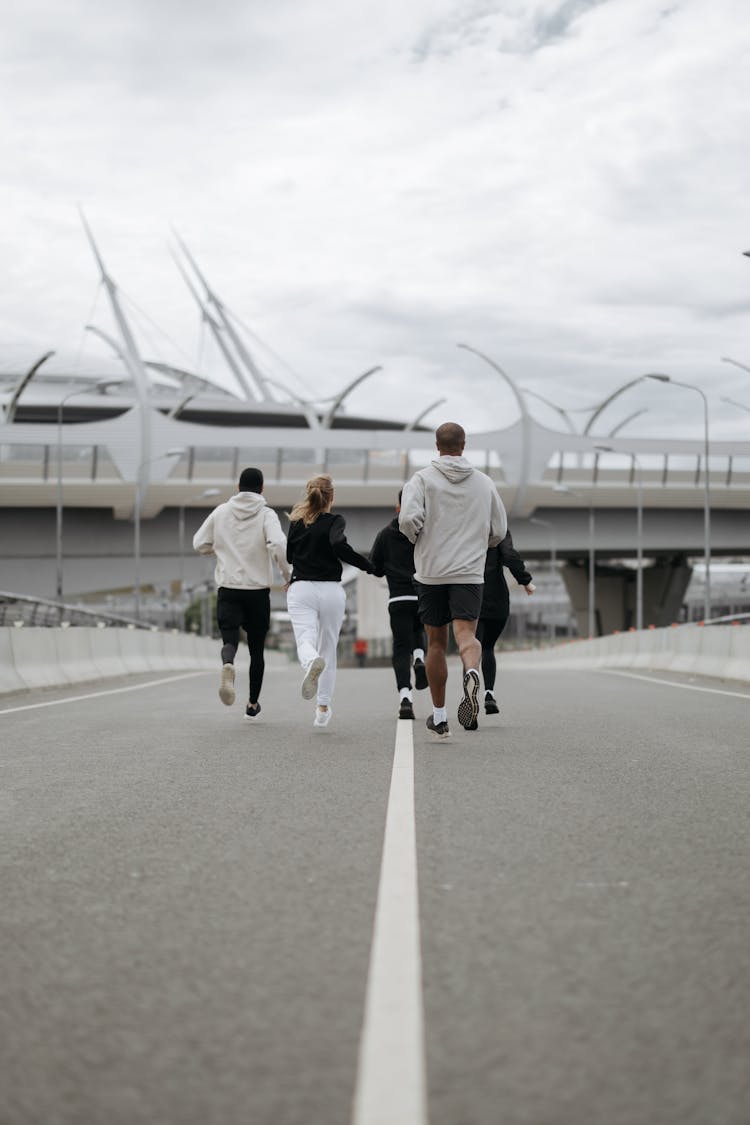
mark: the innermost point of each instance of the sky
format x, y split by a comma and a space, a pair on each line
563, 185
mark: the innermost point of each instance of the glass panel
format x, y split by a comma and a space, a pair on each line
22, 461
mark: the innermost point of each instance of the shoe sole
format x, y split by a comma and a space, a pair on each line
468, 708
310, 682
438, 735
420, 678
226, 688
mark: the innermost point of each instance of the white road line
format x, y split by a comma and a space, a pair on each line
98, 694
391, 1083
672, 683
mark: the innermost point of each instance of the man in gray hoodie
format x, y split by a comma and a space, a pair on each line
452, 513
246, 537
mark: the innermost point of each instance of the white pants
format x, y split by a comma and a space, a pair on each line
316, 610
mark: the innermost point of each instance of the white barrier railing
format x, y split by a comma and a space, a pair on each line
722, 652
44, 657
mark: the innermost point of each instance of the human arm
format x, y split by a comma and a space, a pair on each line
343, 549
276, 543
203, 540
377, 556
498, 518
412, 514
509, 556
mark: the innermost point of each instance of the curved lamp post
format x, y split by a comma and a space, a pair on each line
525, 425
707, 487
10, 410
559, 409
433, 406
101, 386
326, 423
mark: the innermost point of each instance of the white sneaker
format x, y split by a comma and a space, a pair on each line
226, 686
312, 675
322, 718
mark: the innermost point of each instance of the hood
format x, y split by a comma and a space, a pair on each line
245, 505
453, 468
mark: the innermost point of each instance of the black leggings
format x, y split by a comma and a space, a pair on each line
251, 611
488, 631
408, 634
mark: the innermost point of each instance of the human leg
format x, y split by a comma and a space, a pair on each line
331, 607
302, 603
401, 617
488, 630
256, 623
419, 646
228, 618
437, 662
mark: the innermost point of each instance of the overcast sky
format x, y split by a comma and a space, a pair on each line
562, 184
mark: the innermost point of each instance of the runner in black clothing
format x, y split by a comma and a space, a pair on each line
392, 555
493, 616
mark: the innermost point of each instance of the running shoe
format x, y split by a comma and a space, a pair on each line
312, 675
468, 708
420, 675
490, 704
252, 711
406, 710
226, 685
322, 718
440, 730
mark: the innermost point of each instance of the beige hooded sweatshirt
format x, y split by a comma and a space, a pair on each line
452, 513
246, 536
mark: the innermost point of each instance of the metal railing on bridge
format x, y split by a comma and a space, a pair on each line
20, 609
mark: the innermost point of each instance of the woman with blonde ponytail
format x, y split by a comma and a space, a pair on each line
316, 547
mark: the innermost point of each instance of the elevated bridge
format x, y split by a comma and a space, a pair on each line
569, 498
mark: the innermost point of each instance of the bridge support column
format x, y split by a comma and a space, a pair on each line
664, 585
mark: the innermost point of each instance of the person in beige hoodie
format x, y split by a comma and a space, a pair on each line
452, 513
246, 537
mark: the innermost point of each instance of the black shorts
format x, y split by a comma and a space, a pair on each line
246, 609
456, 601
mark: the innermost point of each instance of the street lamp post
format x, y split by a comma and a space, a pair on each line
101, 386
137, 526
592, 557
707, 487
181, 529
552, 566
638, 534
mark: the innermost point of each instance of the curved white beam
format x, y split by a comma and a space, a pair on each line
10, 410
328, 419
520, 497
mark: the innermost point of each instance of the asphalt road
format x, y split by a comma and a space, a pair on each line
187, 902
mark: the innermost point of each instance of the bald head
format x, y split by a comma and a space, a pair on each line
450, 439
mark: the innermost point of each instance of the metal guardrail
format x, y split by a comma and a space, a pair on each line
21, 609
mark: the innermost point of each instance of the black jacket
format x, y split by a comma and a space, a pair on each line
392, 555
316, 550
495, 596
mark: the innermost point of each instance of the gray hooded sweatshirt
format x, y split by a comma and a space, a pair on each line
452, 513
245, 535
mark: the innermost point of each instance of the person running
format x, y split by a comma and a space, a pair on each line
493, 616
392, 556
452, 513
246, 537
316, 548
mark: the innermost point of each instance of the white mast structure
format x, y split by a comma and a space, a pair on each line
252, 379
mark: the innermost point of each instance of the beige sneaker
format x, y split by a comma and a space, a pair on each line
226, 687
312, 675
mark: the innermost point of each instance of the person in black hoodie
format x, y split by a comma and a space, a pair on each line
392, 555
493, 616
316, 547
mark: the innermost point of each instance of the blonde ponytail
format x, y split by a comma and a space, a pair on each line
318, 498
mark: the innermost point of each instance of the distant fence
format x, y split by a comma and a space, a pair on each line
23, 609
